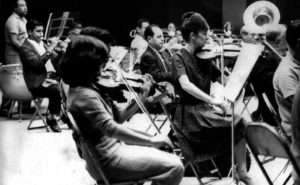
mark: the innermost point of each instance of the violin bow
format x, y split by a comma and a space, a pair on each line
137, 99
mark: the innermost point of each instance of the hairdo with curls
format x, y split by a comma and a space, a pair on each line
192, 23
81, 63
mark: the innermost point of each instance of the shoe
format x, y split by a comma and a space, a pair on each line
53, 125
66, 120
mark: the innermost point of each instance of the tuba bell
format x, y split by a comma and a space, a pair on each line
261, 15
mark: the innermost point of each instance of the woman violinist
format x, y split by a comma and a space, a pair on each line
96, 120
206, 132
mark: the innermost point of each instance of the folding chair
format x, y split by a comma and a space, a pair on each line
263, 139
13, 85
37, 104
276, 118
191, 159
92, 155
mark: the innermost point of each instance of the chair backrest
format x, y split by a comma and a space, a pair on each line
263, 139
275, 116
271, 109
90, 151
12, 82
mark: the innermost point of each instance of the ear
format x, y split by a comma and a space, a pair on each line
192, 35
149, 39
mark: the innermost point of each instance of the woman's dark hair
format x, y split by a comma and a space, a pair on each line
192, 23
81, 63
293, 34
99, 33
32, 23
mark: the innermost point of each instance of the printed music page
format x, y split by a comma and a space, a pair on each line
242, 68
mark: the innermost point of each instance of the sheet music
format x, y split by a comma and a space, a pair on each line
242, 68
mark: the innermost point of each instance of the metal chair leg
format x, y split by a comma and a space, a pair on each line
11, 108
196, 173
37, 104
20, 104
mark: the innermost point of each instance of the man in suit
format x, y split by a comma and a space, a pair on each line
156, 59
35, 56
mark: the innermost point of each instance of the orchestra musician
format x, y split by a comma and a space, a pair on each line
296, 131
261, 76
95, 117
156, 60
139, 44
42, 81
287, 76
206, 132
15, 35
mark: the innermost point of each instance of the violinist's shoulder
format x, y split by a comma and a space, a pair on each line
81, 92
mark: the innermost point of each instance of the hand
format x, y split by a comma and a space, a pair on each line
146, 85
168, 89
220, 102
53, 43
217, 101
159, 141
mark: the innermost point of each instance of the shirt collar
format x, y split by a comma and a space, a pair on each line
39, 43
18, 17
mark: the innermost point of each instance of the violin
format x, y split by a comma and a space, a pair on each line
211, 51
112, 84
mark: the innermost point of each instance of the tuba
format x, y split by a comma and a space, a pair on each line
260, 15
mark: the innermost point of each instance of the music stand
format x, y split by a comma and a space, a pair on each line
59, 23
242, 68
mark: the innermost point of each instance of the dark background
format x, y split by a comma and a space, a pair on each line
119, 17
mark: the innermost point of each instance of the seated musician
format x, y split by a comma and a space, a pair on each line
156, 60
295, 147
96, 119
176, 42
139, 44
35, 57
206, 132
261, 76
287, 76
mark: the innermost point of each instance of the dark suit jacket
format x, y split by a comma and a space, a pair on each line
151, 63
34, 69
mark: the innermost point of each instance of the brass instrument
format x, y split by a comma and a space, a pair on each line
258, 17
261, 15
